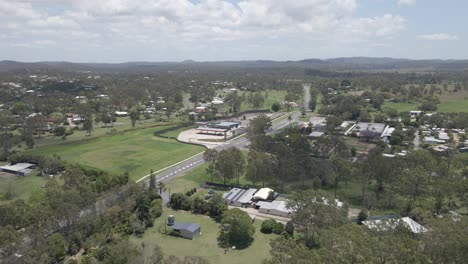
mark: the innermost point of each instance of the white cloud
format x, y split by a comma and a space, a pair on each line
406, 2
438, 37
204, 23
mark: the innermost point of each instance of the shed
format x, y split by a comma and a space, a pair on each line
262, 194
187, 230
239, 197
275, 208
22, 169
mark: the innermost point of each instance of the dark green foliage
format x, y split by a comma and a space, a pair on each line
289, 228
276, 107
238, 230
362, 216
278, 228
268, 226
180, 201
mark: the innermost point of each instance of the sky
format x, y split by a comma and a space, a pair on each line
216, 30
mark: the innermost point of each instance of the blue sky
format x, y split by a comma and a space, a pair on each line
210, 30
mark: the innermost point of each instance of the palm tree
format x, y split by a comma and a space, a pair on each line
161, 187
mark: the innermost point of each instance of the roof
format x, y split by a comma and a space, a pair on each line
228, 123
316, 134
444, 136
17, 167
191, 227
210, 129
375, 127
263, 193
275, 205
384, 224
239, 195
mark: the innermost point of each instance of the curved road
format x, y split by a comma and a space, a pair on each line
195, 161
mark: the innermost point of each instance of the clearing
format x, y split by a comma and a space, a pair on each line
204, 245
136, 151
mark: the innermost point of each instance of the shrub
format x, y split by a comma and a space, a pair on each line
278, 228
268, 226
362, 216
289, 228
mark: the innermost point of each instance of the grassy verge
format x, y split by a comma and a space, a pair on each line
204, 245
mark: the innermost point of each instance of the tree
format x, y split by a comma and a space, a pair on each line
210, 156
134, 116
161, 187
88, 125
345, 244
9, 240
240, 229
276, 107
228, 164
152, 182
268, 226
287, 250
314, 211
289, 228
56, 247
259, 167
259, 125
36, 123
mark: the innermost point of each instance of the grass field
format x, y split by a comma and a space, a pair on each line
401, 107
23, 187
456, 106
136, 151
204, 245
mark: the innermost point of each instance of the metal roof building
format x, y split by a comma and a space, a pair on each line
187, 230
275, 208
239, 197
22, 169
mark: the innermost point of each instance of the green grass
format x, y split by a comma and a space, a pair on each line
455, 106
136, 151
23, 187
401, 107
204, 245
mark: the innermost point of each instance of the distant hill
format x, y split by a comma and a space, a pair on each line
339, 64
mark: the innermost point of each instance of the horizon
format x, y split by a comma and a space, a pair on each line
220, 61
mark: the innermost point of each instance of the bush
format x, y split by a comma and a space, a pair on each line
179, 201
268, 226
362, 216
278, 228
289, 228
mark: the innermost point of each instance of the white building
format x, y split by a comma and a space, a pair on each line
262, 194
385, 224
275, 208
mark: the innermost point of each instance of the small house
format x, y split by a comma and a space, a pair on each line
186, 230
239, 197
21, 169
277, 208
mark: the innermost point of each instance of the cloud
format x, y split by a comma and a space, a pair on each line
438, 37
406, 2
153, 24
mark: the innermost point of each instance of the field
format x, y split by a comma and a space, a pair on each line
136, 151
401, 107
22, 187
456, 106
204, 245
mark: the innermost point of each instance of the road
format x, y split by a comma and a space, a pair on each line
195, 161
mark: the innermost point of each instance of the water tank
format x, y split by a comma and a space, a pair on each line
170, 220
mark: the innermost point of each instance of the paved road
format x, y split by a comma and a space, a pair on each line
189, 164
416, 141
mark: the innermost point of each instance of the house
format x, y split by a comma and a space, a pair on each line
239, 197
414, 114
200, 109
316, 134
444, 136
81, 99
186, 230
263, 194
385, 224
278, 208
21, 169
364, 129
